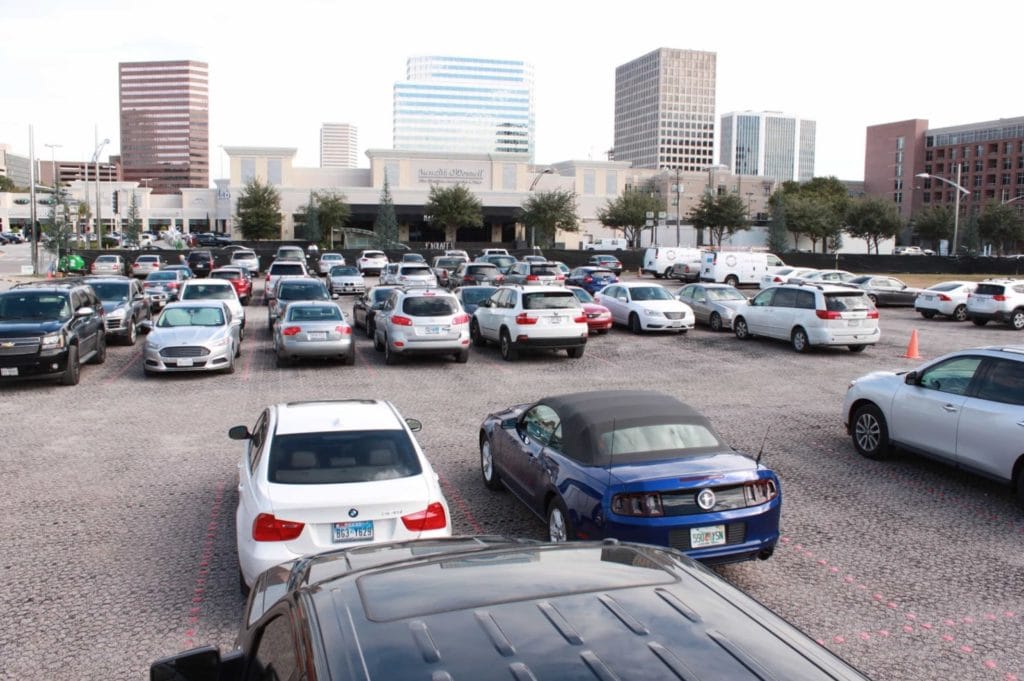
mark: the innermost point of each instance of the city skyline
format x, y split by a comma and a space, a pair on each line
62, 68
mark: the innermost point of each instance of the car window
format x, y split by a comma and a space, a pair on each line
650, 293
1003, 382
286, 268
989, 289
344, 271
274, 658
549, 300
656, 437
784, 297
729, 294
114, 291
208, 292
313, 313
764, 298
416, 270
259, 437
473, 296
539, 422
804, 300
424, 306
191, 316
952, 376
547, 270
846, 301
340, 457
301, 291
688, 292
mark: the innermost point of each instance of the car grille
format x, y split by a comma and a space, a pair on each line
735, 533
685, 503
11, 347
113, 324
185, 351
675, 315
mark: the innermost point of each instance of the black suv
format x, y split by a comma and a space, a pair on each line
211, 239
200, 262
46, 330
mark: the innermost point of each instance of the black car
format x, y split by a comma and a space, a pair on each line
503, 262
470, 296
47, 330
494, 608
200, 262
125, 306
365, 307
209, 239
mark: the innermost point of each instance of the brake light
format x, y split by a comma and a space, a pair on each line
873, 314
291, 331
268, 528
582, 319
559, 277
647, 504
760, 492
828, 314
1000, 297
587, 279
400, 320
467, 277
344, 330
532, 277
460, 319
777, 280
431, 518
523, 318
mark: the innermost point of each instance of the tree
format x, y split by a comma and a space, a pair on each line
873, 219
58, 229
259, 211
385, 225
628, 213
999, 224
777, 226
970, 240
307, 225
7, 184
133, 224
722, 215
833, 198
808, 216
547, 212
935, 224
453, 207
333, 213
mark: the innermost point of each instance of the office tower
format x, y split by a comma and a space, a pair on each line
665, 110
338, 145
165, 124
464, 104
768, 143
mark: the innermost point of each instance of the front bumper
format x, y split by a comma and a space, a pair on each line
41, 365
216, 359
650, 323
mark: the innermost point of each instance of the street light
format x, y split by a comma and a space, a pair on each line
1016, 198
956, 208
99, 214
546, 171
53, 162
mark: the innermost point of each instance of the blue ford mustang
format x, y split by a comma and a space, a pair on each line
634, 465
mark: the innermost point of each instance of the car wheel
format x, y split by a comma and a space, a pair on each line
634, 323
489, 474
349, 359
390, 358
73, 370
979, 322
1020, 487
242, 586
238, 348
576, 352
799, 340
960, 313
732, 280
715, 322
870, 433
559, 528
857, 348
474, 333
101, 350
132, 335
377, 344
873, 298
739, 327
1017, 319
657, 275
230, 368
668, 273
927, 314
508, 353
462, 356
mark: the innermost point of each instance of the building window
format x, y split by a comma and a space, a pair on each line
274, 171
927, 197
898, 197
899, 142
979, 165
967, 152
928, 155
611, 183
248, 170
952, 152
979, 150
588, 182
977, 180
1005, 179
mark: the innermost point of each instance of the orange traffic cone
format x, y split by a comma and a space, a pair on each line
912, 352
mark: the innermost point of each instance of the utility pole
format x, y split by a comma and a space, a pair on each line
679, 206
32, 198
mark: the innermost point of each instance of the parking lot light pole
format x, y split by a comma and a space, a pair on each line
99, 215
956, 203
546, 171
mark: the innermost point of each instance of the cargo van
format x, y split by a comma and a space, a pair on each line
607, 245
659, 261
734, 267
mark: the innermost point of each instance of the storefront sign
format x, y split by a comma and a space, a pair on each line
470, 174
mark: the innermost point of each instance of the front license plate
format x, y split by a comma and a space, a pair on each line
357, 531
707, 536
9, 371
186, 362
317, 335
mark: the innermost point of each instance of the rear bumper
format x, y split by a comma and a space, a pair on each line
830, 337
329, 348
555, 343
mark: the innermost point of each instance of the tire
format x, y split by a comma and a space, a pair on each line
100, 355
243, 588
1020, 488
390, 358
349, 359
230, 368
377, 344
559, 527
634, 323
462, 356
667, 274
505, 347
657, 275
739, 327
960, 313
928, 314
488, 474
870, 433
715, 322
577, 352
73, 370
474, 333
1017, 319
732, 280
873, 298
799, 340
238, 349
979, 322
133, 333
857, 348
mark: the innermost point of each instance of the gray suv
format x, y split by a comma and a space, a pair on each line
421, 321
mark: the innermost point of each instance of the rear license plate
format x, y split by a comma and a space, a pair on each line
929, 298
433, 330
186, 362
556, 320
707, 536
9, 371
317, 335
853, 322
357, 531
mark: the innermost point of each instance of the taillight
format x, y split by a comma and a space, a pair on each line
431, 518
777, 280
268, 528
828, 314
523, 318
943, 297
582, 319
460, 319
532, 277
467, 277
587, 279
1000, 297
344, 330
290, 331
559, 277
647, 504
873, 313
400, 320
760, 492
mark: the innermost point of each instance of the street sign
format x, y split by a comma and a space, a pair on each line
649, 215
662, 215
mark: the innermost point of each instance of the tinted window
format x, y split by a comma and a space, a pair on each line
225, 275
804, 300
472, 296
540, 423
381, 294
422, 306
161, 276
487, 270
110, 290
341, 457
1004, 382
416, 271
549, 300
290, 290
546, 270
843, 302
990, 289
286, 268
34, 306
274, 659
784, 297
952, 376
948, 286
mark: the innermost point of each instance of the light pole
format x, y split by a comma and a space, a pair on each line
1016, 198
99, 214
679, 206
53, 163
956, 203
546, 171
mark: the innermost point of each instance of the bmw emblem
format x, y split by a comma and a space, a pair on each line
353, 512
706, 499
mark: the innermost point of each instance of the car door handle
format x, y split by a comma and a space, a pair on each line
1020, 423
949, 407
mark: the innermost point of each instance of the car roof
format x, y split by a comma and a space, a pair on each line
196, 283
198, 302
335, 415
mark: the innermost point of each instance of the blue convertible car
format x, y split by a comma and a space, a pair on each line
634, 465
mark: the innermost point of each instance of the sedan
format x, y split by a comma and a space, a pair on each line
599, 318
162, 287
948, 299
607, 262
645, 307
107, 264
239, 278
965, 408
591, 278
345, 279
782, 275
838, 277
635, 466
327, 261
194, 336
884, 290
713, 304
313, 329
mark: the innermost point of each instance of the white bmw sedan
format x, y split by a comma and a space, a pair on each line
322, 475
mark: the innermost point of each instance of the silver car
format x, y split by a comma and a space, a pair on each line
328, 261
192, 336
107, 264
411, 274
246, 258
345, 279
713, 304
313, 328
421, 321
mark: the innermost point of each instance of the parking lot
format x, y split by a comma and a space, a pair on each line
119, 495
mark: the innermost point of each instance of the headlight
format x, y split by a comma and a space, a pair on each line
652, 313
53, 341
221, 342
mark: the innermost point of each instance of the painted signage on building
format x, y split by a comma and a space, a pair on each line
470, 174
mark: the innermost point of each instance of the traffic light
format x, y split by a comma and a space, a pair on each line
115, 201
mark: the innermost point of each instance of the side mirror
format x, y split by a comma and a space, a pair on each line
414, 425
85, 312
239, 433
750, 301
198, 664
910, 378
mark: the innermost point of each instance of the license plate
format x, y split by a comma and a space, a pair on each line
853, 322
317, 335
357, 531
556, 320
186, 362
929, 298
9, 371
433, 330
707, 536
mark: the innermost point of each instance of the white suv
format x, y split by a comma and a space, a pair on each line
372, 262
408, 274
531, 317
418, 321
810, 314
1001, 300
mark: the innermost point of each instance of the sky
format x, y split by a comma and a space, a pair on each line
280, 70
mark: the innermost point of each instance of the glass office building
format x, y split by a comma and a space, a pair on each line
465, 105
768, 143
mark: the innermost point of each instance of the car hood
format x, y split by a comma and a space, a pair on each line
733, 305
21, 329
594, 308
111, 306
185, 335
662, 305
880, 378
713, 465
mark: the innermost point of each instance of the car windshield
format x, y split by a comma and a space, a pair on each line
342, 457
650, 293
191, 316
344, 271
473, 296
302, 291
502, 260
667, 437
843, 302
724, 294
582, 295
108, 291
599, 273
107, 258
429, 306
545, 270
314, 313
19, 306
549, 300
208, 292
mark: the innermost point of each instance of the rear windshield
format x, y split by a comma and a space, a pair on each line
582, 295
286, 268
422, 306
291, 290
167, 275
990, 289
374, 254
842, 302
243, 255
107, 258
340, 457
290, 253
225, 275
148, 258
208, 292
658, 437
416, 271
947, 286
449, 262
549, 300
313, 313
200, 255
472, 296
547, 270
344, 271
481, 269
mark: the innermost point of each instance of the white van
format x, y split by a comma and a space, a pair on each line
659, 261
734, 267
607, 245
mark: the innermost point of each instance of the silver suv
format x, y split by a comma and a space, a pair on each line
533, 273
421, 321
1001, 300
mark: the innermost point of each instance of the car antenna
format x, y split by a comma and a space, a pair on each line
765, 439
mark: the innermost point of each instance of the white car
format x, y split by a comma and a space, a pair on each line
644, 306
198, 335
372, 262
215, 289
518, 318
783, 274
408, 274
965, 408
328, 474
327, 261
246, 258
948, 298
